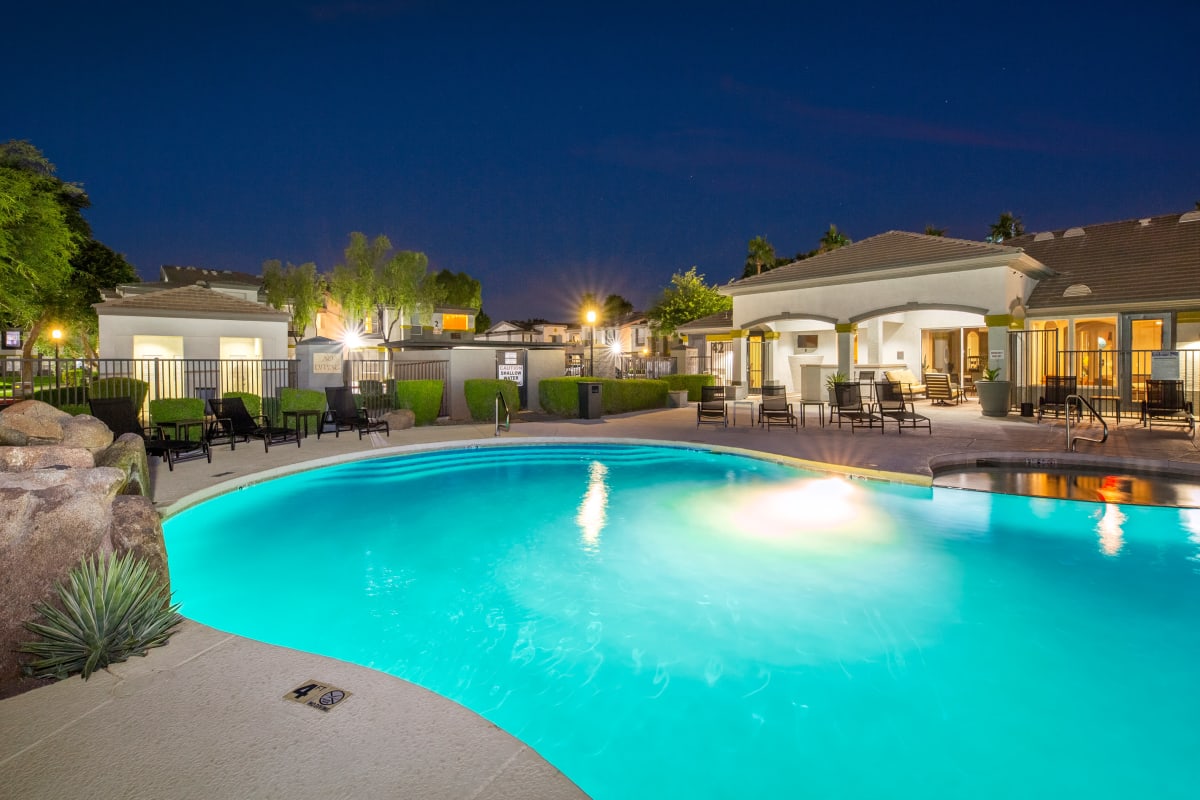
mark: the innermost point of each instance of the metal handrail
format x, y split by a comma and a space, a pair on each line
1082, 401
500, 401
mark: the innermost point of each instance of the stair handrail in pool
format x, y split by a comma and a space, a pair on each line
1083, 401
500, 401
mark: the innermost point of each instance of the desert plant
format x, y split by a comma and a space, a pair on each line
836, 378
112, 608
991, 373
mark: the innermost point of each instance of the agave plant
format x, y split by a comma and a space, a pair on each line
111, 609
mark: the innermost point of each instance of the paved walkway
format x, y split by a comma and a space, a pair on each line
205, 717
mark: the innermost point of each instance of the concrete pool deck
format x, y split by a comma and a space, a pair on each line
205, 716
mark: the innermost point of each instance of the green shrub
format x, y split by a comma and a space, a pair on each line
252, 402
690, 382
561, 395
66, 396
120, 387
303, 400
481, 397
174, 409
75, 410
423, 398
112, 608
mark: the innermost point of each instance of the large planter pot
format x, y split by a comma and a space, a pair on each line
994, 397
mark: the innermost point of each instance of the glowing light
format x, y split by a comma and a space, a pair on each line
616, 348
591, 317
56, 334
1112, 537
593, 510
352, 338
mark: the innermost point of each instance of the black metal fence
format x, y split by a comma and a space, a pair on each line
376, 381
68, 380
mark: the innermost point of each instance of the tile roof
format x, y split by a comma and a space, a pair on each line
721, 321
189, 301
1154, 260
884, 252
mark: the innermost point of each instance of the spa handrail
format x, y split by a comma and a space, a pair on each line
500, 401
1082, 401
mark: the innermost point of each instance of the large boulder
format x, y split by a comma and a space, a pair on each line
24, 459
128, 454
87, 432
136, 527
31, 422
400, 419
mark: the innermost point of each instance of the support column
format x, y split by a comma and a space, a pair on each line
997, 354
845, 333
741, 363
772, 357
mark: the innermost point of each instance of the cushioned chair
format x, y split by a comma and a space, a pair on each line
233, 422
120, 415
892, 404
776, 410
712, 407
912, 387
344, 415
1166, 404
940, 389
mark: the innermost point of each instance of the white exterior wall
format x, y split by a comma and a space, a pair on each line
201, 337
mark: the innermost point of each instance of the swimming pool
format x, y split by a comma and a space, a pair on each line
665, 622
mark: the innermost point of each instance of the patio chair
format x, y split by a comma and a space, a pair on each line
776, 410
911, 386
120, 415
1058, 389
941, 390
233, 422
851, 408
1166, 404
712, 407
891, 403
344, 415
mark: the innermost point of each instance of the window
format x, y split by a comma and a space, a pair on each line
455, 322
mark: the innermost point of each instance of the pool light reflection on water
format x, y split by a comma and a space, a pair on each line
661, 622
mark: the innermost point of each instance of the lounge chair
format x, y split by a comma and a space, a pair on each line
120, 415
1058, 389
776, 410
1166, 404
912, 387
891, 403
344, 415
941, 390
233, 422
850, 408
712, 408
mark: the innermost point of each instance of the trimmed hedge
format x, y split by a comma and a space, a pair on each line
561, 395
120, 387
173, 409
252, 402
481, 397
303, 400
66, 396
423, 398
690, 382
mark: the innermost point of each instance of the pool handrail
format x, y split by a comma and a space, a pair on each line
1082, 402
500, 401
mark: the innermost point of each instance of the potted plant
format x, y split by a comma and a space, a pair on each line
831, 384
994, 393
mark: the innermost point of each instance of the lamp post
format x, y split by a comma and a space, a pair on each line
591, 318
56, 335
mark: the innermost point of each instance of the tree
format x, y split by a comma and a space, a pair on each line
1007, 227
832, 239
932, 231
95, 267
616, 308
588, 302
299, 289
41, 230
687, 298
482, 321
760, 256
458, 289
373, 277
405, 285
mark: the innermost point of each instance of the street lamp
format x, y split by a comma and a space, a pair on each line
56, 335
591, 318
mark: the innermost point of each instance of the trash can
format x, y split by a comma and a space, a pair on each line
1026, 409
591, 404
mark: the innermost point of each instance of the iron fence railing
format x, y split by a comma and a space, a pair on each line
375, 381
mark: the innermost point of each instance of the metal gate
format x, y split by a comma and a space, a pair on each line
758, 364
1032, 355
720, 361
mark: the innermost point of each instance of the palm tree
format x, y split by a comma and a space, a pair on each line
760, 255
1009, 226
832, 239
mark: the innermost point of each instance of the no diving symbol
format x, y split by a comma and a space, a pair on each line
332, 698
314, 694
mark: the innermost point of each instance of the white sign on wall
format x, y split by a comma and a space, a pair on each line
511, 372
327, 363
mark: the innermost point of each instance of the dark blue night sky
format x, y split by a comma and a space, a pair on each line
553, 148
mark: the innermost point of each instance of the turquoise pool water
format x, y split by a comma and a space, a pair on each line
662, 622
